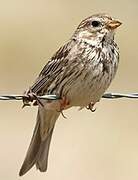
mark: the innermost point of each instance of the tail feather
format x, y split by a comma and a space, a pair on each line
32, 152
39, 147
42, 158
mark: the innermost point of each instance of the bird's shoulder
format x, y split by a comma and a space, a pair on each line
54, 66
60, 57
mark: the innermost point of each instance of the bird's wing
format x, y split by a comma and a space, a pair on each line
52, 69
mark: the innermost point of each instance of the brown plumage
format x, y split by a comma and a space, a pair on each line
79, 72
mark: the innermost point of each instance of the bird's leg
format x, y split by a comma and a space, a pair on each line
58, 105
64, 102
91, 107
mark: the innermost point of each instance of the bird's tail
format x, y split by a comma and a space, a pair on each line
39, 147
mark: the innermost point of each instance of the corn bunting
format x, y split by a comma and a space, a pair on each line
79, 72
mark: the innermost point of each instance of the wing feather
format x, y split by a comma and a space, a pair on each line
52, 69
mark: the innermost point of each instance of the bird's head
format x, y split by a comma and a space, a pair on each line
96, 27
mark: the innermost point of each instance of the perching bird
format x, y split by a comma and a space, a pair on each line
79, 72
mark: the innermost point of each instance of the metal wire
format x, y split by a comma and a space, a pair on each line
120, 95
20, 97
54, 97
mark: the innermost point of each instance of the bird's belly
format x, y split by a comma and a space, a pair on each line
84, 91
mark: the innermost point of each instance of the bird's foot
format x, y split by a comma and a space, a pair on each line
64, 102
91, 107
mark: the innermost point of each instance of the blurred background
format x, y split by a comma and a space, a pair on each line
99, 146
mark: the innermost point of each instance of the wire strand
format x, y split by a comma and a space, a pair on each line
20, 97
120, 95
54, 97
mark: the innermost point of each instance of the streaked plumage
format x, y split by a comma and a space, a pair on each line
79, 71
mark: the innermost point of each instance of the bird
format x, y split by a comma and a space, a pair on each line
79, 73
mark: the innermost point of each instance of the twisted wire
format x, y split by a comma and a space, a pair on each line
120, 95
20, 97
54, 97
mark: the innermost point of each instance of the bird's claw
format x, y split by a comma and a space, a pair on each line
63, 114
63, 104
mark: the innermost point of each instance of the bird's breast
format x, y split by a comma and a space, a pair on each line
87, 76
96, 73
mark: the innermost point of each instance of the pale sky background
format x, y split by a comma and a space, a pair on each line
85, 146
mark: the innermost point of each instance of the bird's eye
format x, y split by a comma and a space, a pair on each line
95, 23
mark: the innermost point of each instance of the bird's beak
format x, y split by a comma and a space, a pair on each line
113, 24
